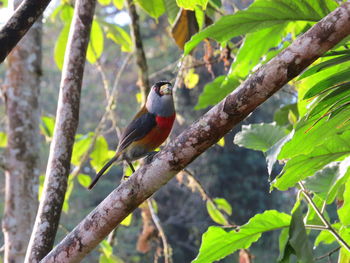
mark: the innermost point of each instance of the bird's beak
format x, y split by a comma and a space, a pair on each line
166, 89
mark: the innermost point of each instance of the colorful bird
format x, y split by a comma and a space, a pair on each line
148, 130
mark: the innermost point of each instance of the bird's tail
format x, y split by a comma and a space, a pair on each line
104, 168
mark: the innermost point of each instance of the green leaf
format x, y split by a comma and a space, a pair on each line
281, 115
328, 82
47, 126
60, 46
100, 155
106, 248
80, 147
272, 153
344, 256
298, 238
118, 4
307, 137
216, 214
284, 247
259, 137
69, 190
324, 65
311, 217
260, 41
191, 79
302, 166
155, 8
127, 220
3, 140
172, 10
104, 2
223, 205
192, 4
326, 237
119, 36
343, 212
216, 91
261, 15
3, 3
200, 16
95, 47
328, 101
66, 13
84, 180
217, 243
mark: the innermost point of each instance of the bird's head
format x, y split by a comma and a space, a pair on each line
160, 99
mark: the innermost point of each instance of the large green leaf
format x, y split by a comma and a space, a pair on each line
192, 4
100, 155
298, 238
155, 8
327, 83
217, 243
302, 166
325, 64
3, 140
60, 46
81, 145
172, 10
260, 137
95, 46
344, 211
215, 91
262, 14
255, 46
119, 36
307, 137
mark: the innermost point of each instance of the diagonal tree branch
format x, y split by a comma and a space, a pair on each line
67, 117
18, 25
201, 135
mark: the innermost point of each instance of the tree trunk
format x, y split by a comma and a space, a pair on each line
21, 92
67, 118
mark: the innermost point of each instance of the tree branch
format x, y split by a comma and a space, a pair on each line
19, 23
141, 61
201, 135
58, 167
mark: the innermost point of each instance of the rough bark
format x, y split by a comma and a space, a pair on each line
201, 135
20, 22
21, 92
141, 61
67, 116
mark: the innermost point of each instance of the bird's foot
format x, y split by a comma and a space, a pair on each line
149, 157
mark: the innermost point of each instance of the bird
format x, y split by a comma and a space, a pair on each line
149, 128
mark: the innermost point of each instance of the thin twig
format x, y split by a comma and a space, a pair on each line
322, 218
328, 254
156, 221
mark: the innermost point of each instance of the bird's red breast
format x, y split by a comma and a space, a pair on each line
159, 133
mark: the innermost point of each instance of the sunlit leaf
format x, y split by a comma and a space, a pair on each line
118, 4
217, 243
191, 4
260, 15
47, 126
127, 220
172, 10
119, 36
100, 154
106, 248
60, 46
191, 79
216, 91
69, 190
96, 42
81, 145
215, 214
302, 166
343, 212
3, 140
259, 137
84, 180
221, 142
155, 8
104, 2
223, 205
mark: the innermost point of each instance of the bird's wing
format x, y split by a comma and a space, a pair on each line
141, 125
